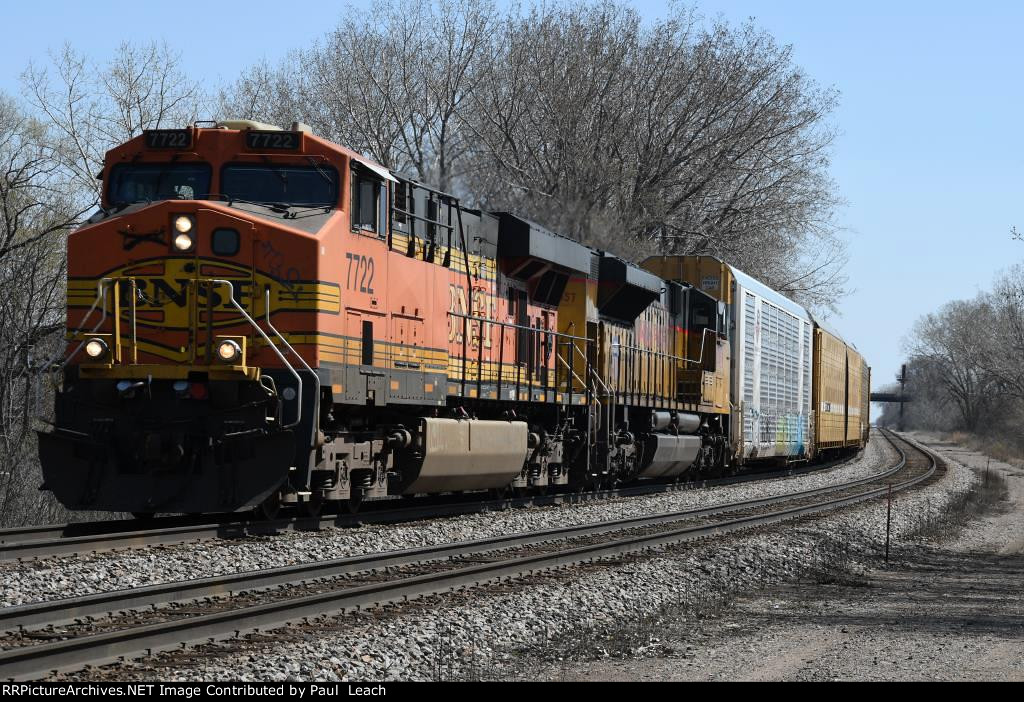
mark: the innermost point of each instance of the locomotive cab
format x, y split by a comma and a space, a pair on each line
179, 393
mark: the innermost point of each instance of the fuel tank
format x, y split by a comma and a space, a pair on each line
667, 455
467, 454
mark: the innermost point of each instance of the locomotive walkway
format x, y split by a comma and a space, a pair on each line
336, 586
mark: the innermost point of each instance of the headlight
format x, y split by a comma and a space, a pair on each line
183, 224
96, 348
184, 232
229, 351
183, 242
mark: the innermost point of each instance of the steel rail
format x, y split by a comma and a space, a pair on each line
94, 537
25, 662
56, 612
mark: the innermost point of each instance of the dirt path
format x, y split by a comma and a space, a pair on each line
950, 610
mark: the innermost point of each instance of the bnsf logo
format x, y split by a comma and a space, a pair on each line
176, 294
159, 293
182, 303
483, 308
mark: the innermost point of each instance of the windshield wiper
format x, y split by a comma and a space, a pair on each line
283, 207
322, 172
281, 175
279, 207
295, 210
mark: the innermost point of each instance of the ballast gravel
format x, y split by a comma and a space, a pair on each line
86, 573
488, 633
946, 607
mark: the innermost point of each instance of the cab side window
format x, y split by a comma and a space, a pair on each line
368, 203
402, 202
703, 325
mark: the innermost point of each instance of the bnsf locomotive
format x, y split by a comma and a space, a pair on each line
260, 317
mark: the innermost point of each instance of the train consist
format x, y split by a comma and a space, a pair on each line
260, 317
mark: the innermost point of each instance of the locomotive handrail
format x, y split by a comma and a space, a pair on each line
597, 377
413, 215
474, 318
583, 355
635, 387
252, 322
316, 378
632, 386
571, 371
653, 352
467, 318
101, 294
593, 370
51, 368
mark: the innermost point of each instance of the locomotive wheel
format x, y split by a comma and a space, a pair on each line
269, 508
714, 471
355, 501
312, 506
498, 494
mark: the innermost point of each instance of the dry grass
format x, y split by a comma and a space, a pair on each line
998, 449
966, 506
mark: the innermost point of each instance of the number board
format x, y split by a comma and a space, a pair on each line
168, 138
283, 141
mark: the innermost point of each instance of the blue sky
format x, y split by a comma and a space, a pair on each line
929, 158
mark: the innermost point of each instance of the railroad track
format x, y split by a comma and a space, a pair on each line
26, 543
149, 622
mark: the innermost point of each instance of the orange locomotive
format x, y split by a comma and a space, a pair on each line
258, 316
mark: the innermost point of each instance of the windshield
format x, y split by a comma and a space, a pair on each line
288, 185
140, 182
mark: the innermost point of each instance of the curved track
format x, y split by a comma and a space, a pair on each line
317, 589
92, 537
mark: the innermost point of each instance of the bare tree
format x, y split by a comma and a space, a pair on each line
966, 362
387, 82
36, 212
92, 108
47, 183
998, 329
272, 94
551, 120
671, 138
947, 342
930, 407
368, 72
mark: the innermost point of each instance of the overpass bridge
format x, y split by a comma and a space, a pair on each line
900, 397
890, 397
